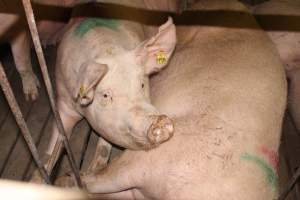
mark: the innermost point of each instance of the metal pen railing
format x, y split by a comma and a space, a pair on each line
17, 112
21, 122
44, 69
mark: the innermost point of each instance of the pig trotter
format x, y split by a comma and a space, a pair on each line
161, 130
30, 85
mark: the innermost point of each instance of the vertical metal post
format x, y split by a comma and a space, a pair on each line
21, 122
42, 62
290, 185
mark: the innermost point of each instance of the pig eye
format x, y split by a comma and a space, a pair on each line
143, 85
106, 97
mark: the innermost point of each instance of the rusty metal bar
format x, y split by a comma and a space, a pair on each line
21, 122
42, 62
290, 185
292, 182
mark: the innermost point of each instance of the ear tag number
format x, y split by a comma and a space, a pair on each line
161, 58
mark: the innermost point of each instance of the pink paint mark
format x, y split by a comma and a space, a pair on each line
272, 157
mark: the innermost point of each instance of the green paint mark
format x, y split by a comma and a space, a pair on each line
270, 173
87, 24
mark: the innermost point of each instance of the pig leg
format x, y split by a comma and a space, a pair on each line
20, 46
121, 175
101, 156
116, 177
69, 119
294, 97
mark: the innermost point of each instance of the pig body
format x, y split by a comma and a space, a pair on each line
102, 74
227, 107
288, 45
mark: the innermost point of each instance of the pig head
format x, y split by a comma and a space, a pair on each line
111, 89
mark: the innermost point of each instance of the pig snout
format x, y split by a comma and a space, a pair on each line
160, 130
148, 128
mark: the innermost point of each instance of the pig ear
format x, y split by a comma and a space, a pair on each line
89, 75
154, 53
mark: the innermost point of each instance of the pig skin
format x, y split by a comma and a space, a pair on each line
102, 74
225, 90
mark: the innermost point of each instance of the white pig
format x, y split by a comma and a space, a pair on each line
225, 90
102, 74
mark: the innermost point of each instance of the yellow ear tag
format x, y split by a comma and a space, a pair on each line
161, 58
81, 91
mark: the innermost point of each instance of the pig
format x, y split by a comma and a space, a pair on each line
288, 45
227, 108
14, 30
102, 74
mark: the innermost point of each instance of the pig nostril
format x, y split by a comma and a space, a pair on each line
169, 127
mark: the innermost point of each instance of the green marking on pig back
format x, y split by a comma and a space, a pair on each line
87, 24
271, 175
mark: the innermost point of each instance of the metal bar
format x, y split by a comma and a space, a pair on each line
42, 62
292, 182
21, 122
290, 185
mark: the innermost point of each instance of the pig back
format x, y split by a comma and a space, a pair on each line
233, 74
225, 89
